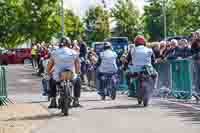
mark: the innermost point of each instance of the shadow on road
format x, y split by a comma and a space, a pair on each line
119, 107
90, 100
189, 114
35, 102
37, 117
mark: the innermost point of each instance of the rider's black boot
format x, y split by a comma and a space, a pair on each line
76, 102
53, 103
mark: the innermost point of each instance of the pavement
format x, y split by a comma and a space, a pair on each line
95, 116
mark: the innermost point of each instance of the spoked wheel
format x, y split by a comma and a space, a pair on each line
139, 101
48, 98
103, 97
65, 102
146, 102
65, 107
113, 93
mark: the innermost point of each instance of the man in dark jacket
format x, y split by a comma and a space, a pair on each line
82, 55
196, 57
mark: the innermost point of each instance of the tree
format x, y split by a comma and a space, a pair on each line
127, 19
185, 18
35, 20
41, 19
153, 18
96, 24
182, 18
10, 33
73, 25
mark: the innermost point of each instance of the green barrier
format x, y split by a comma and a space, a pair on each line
174, 74
3, 86
164, 74
181, 78
134, 87
123, 86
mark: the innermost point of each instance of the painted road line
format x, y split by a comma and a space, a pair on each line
184, 105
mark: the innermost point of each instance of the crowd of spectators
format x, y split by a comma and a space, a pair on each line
41, 52
176, 49
164, 50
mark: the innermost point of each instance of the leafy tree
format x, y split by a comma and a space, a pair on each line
153, 18
127, 19
10, 30
35, 20
41, 19
182, 18
185, 18
73, 25
96, 24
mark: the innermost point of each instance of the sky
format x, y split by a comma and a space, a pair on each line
80, 6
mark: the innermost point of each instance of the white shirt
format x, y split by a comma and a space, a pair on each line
141, 56
64, 58
108, 62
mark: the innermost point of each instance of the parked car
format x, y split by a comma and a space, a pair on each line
179, 38
17, 56
3, 58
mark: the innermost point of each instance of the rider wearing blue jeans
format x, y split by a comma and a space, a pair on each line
107, 65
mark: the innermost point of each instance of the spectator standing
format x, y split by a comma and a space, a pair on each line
173, 51
163, 49
166, 50
34, 55
75, 46
91, 66
82, 56
184, 46
38, 54
196, 57
156, 49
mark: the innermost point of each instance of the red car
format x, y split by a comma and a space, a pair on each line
16, 56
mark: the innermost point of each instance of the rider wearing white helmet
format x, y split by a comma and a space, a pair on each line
107, 65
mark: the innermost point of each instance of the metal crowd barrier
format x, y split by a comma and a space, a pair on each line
164, 74
177, 76
181, 77
123, 84
3, 86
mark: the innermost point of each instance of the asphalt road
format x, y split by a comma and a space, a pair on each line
119, 116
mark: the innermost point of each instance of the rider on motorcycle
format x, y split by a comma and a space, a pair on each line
140, 58
64, 58
107, 65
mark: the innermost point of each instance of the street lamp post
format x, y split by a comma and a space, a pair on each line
62, 18
165, 19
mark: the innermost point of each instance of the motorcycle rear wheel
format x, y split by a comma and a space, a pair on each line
113, 94
66, 101
65, 107
146, 102
139, 101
